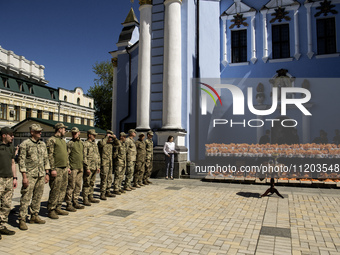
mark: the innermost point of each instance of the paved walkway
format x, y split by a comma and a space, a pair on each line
189, 217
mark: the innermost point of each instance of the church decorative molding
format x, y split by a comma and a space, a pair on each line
238, 13
142, 2
325, 8
280, 10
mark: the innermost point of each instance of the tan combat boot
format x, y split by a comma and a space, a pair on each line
86, 201
36, 219
92, 200
102, 196
70, 208
78, 206
60, 212
53, 215
22, 225
109, 194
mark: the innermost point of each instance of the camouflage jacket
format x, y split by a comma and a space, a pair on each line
57, 152
33, 158
91, 156
105, 150
121, 152
149, 149
131, 150
141, 151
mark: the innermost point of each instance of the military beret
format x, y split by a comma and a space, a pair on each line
75, 130
6, 131
35, 127
59, 125
91, 132
132, 131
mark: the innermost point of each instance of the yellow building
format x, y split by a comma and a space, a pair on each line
24, 94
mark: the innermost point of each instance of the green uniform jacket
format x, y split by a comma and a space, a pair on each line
91, 156
75, 152
33, 158
57, 152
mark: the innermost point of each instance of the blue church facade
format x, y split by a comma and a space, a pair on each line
250, 44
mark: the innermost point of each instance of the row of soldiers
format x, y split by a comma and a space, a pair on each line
70, 167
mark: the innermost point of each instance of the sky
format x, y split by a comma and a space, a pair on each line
66, 36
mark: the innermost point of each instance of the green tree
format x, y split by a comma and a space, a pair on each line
101, 92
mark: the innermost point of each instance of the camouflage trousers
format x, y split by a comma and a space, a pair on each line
106, 178
6, 193
32, 194
139, 172
75, 180
130, 169
119, 176
148, 170
58, 187
88, 186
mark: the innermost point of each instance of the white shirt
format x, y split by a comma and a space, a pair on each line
169, 147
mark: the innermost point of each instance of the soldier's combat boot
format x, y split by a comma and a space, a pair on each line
70, 208
122, 191
102, 196
53, 215
141, 184
145, 183
86, 201
36, 219
60, 212
136, 185
109, 194
22, 225
148, 181
92, 200
127, 189
132, 188
78, 206
117, 192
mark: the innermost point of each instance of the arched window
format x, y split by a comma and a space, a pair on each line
78, 101
90, 105
65, 98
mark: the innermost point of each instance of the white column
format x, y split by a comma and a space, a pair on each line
144, 67
253, 40
265, 36
114, 96
296, 35
310, 52
224, 60
172, 73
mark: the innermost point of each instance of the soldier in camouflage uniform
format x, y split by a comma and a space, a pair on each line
148, 159
131, 152
8, 178
34, 167
120, 163
105, 149
75, 152
91, 167
57, 154
140, 161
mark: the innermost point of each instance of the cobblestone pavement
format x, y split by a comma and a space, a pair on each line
189, 217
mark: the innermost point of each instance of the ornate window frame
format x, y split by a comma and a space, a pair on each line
308, 5
238, 8
269, 8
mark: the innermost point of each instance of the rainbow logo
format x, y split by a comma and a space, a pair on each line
209, 93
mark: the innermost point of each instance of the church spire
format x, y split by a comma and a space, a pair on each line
131, 18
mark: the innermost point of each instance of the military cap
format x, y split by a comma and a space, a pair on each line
109, 132
150, 132
6, 131
91, 132
132, 131
122, 134
141, 134
59, 125
35, 127
75, 130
